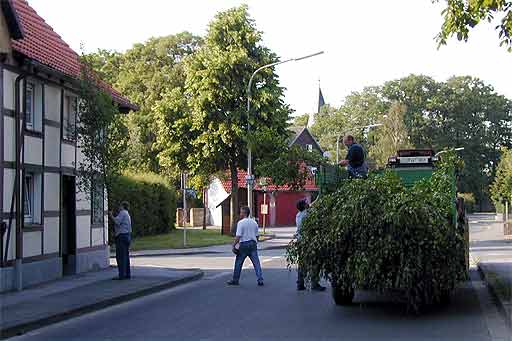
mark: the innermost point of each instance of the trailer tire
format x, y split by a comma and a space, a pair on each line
342, 296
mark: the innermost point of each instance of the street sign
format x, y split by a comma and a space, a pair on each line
264, 209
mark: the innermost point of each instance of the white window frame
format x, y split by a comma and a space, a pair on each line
68, 120
28, 200
309, 147
32, 191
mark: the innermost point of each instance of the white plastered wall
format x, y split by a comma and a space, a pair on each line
31, 244
83, 231
33, 150
52, 98
68, 155
51, 151
51, 235
216, 194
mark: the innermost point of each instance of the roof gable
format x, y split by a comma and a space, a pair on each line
11, 18
306, 131
42, 44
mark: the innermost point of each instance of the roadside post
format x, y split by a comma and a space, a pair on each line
185, 213
264, 206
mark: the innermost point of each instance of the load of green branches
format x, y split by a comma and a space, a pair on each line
377, 234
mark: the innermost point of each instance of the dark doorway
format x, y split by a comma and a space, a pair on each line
68, 225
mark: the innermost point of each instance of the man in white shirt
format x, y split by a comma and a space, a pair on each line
123, 230
247, 238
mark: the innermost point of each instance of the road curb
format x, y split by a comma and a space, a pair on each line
499, 302
75, 312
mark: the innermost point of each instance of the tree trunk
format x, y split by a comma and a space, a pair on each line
234, 198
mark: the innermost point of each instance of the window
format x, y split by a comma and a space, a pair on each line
32, 189
97, 201
69, 117
309, 147
30, 105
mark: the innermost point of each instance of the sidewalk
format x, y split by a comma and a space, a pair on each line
276, 241
79, 294
491, 251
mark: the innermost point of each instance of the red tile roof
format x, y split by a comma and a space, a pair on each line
42, 44
309, 185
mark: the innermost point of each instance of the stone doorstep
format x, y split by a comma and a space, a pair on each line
37, 318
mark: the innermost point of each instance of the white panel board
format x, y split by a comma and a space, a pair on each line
8, 188
51, 191
31, 244
9, 82
12, 244
33, 150
97, 236
51, 146
83, 231
51, 235
68, 155
8, 137
52, 98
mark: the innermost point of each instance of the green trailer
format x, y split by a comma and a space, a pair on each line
411, 166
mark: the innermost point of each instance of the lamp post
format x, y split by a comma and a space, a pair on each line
447, 150
250, 178
347, 130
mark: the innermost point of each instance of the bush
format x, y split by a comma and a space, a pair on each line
377, 234
469, 201
152, 202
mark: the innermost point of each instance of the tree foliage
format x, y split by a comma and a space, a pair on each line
461, 112
301, 120
391, 136
385, 237
101, 135
145, 74
501, 189
460, 16
204, 123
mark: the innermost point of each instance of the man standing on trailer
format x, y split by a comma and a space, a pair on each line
355, 161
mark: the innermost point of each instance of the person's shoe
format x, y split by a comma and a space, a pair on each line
232, 282
318, 288
301, 288
260, 283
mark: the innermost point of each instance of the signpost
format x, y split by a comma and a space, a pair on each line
185, 214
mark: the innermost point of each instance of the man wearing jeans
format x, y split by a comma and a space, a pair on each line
123, 230
247, 237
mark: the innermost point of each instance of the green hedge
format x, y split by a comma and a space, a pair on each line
152, 202
377, 234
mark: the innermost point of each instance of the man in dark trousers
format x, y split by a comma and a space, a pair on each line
123, 230
302, 207
355, 159
247, 239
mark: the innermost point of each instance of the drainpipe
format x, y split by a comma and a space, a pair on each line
19, 139
2, 224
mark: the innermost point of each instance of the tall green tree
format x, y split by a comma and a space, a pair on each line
145, 73
301, 120
391, 136
460, 16
211, 127
501, 188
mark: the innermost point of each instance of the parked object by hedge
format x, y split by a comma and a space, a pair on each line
152, 202
377, 234
469, 201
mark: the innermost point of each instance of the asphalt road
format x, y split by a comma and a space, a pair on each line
209, 310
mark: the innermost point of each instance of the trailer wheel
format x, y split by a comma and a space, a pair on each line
342, 296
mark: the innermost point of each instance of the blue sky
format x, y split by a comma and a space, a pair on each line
365, 42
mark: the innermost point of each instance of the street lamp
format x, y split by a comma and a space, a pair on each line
447, 150
347, 130
250, 178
